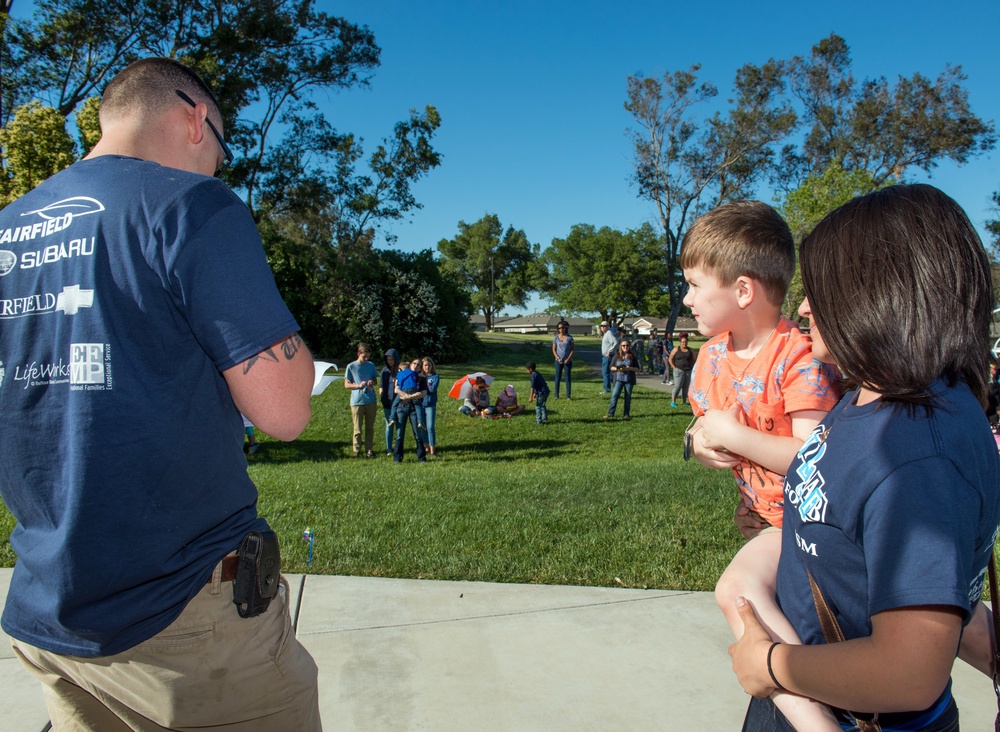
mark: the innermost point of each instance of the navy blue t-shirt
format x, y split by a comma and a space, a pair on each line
889, 509
537, 382
126, 288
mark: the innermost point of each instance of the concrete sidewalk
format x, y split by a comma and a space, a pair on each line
425, 655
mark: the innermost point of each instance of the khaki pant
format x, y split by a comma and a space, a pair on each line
209, 668
364, 413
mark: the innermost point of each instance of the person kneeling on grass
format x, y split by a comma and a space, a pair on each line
477, 404
507, 405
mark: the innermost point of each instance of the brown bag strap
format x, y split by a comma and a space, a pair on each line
833, 634
995, 604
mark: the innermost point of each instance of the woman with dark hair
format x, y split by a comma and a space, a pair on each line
623, 368
892, 504
430, 403
410, 415
562, 352
681, 360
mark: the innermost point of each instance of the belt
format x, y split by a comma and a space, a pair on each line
229, 566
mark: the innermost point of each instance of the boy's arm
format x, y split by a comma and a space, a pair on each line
707, 456
722, 430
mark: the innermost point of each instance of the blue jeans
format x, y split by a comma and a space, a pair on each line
430, 415
397, 454
541, 413
390, 426
568, 368
606, 372
763, 716
616, 392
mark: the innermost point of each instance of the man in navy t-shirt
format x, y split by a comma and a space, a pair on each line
123, 309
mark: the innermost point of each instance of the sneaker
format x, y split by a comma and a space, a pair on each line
627, 417
673, 404
607, 416
420, 426
370, 454
508, 416
253, 448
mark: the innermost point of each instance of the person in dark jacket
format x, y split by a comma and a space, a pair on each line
387, 392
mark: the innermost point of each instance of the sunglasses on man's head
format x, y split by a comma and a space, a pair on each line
227, 154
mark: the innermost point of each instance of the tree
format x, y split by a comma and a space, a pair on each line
806, 206
35, 145
686, 166
317, 197
993, 225
496, 267
877, 127
606, 271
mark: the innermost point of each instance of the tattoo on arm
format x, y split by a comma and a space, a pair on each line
289, 347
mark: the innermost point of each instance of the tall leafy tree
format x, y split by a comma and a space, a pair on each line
685, 164
993, 225
316, 194
607, 271
35, 145
806, 206
882, 128
497, 267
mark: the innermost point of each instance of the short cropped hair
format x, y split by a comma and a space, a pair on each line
899, 286
147, 88
530, 366
743, 239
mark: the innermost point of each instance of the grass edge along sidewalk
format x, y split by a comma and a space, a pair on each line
580, 501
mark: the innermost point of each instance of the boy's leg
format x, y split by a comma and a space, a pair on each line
370, 411
357, 419
421, 414
541, 413
753, 574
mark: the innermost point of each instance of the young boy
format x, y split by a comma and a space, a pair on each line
756, 393
539, 393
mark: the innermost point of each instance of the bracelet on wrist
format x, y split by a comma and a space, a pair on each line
770, 670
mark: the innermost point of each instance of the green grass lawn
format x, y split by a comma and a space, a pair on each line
578, 501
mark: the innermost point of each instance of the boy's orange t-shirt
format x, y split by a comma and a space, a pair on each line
783, 377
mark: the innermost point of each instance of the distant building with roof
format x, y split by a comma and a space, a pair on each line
543, 323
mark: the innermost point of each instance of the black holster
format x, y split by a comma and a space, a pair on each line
258, 573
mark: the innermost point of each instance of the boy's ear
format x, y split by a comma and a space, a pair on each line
746, 291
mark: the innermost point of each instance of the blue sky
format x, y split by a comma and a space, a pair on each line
531, 94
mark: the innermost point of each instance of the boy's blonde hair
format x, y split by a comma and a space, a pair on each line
743, 239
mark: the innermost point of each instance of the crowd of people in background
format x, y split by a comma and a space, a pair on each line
408, 390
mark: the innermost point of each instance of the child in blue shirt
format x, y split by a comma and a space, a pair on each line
539, 393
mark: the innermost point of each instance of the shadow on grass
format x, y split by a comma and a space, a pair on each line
523, 449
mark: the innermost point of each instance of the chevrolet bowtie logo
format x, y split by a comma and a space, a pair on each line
72, 298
